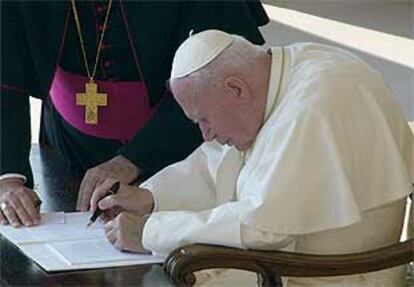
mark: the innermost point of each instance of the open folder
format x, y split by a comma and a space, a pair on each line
62, 242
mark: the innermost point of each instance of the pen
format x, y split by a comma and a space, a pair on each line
113, 190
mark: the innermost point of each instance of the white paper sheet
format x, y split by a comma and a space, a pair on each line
62, 242
55, 226
52, 218
86, 252
24, 235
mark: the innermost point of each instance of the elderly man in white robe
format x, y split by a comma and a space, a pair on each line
306, 150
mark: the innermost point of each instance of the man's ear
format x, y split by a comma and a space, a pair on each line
237, 87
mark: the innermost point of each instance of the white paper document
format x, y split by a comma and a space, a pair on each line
62, 242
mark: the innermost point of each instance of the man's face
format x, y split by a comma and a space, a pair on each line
220, 113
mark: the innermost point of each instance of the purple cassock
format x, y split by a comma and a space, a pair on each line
126, 112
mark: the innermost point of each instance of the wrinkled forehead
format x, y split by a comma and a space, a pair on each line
182, 89
188, 97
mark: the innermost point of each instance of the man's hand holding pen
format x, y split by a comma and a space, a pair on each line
123, 213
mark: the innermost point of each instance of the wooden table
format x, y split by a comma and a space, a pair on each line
58, 189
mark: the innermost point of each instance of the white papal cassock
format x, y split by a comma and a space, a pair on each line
329, 171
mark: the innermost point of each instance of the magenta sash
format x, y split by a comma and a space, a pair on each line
128, 108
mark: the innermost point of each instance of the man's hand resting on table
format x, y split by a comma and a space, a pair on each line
18, 203
125, 232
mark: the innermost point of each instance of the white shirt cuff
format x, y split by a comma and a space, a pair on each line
13, 175
154, 196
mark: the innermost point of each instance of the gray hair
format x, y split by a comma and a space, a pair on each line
238, 59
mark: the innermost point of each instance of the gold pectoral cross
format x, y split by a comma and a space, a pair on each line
91, 99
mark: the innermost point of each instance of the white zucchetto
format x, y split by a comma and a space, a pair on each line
199, 50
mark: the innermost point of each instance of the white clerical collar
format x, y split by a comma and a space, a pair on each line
274, 88
275, 79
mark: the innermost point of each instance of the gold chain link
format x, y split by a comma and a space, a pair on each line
98, 51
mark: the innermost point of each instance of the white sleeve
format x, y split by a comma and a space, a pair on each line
262, 240
184, 185
166, 231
